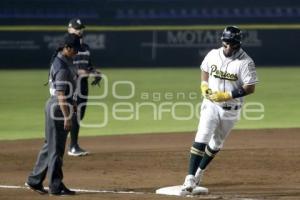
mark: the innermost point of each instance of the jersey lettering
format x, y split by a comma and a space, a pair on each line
222, 75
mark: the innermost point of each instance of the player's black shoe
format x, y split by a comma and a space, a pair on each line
36, 188
77, 151
63, 192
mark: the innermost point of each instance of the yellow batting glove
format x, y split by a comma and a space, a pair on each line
220, 96
205, 90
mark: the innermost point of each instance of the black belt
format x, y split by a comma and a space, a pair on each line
232, 107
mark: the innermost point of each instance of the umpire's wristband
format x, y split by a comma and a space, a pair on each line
237, 93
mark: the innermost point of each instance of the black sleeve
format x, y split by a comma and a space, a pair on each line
61, 80
90, 67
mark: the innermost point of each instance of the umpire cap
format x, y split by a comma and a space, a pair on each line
232, 34
72, 41
76, 24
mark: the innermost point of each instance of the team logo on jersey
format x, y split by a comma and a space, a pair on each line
222, 75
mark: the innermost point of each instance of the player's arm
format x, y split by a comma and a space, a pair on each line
82, 72
241, 92
237, 93
204, 76
64, 108
61, 86
97, 77
249, 78
205, 90
249, 89
94, 73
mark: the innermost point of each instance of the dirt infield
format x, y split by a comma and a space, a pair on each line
253, 165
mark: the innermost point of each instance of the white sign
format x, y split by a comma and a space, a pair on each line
202, 40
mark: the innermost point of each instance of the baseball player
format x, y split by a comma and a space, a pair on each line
85, 68
228, 74
58, 112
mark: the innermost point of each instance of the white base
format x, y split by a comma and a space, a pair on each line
177, 191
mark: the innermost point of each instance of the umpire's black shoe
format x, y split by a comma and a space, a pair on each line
36, 188
63, 192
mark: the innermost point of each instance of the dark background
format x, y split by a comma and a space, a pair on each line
149, 12
276, 46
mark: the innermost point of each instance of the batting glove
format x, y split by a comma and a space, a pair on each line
205, 90
220, 96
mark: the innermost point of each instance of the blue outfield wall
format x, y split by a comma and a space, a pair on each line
158, 46
148, 12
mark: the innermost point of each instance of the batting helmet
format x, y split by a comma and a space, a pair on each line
232, 34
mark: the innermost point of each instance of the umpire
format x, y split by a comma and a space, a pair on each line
85, 68
62, 79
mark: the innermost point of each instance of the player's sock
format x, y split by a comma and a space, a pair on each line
197, 152
207, 158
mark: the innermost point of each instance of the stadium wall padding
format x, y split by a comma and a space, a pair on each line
149, 47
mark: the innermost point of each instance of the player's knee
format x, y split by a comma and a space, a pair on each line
215, 145
203, 136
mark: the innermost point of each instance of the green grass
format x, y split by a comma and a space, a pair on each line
23, 97
277, 91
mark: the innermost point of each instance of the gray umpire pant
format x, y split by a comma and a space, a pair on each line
50, 157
